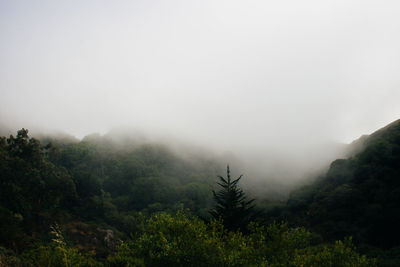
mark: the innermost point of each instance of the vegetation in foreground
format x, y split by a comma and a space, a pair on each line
184, 240
91, 203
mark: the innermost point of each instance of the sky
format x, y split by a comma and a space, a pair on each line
222, 73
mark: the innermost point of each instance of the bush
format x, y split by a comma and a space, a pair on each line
183, 240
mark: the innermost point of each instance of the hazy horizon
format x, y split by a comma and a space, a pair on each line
252, 74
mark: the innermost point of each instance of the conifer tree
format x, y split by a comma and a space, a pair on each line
232, 205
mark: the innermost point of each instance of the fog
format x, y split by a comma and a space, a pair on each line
277, 79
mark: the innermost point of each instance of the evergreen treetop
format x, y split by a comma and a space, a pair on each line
232, 205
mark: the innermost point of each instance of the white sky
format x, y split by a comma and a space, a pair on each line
251, 73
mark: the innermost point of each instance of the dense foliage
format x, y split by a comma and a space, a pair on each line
99, 202
359, 197
182, 240
31, 189
91, 187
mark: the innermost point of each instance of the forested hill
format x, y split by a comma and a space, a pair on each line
93, 185
98, 202
359, 196
388, 133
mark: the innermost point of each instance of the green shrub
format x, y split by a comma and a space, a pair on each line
183, 240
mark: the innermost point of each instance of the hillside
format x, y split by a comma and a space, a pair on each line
65, 202
359, 196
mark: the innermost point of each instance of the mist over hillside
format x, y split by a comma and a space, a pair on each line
270, 172
278, 77
114, 179
118, 121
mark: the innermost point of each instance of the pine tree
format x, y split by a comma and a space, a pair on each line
232, 205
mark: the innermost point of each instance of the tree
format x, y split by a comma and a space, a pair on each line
232, 205
24, 147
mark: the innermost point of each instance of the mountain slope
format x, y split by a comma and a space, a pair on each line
359, 196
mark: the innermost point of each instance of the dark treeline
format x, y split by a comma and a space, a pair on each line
94, 202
